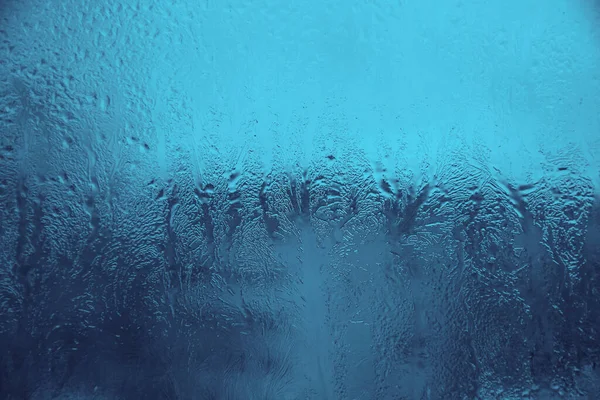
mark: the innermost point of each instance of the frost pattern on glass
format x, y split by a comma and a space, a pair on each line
309, 200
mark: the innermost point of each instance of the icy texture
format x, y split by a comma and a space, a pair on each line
299, 200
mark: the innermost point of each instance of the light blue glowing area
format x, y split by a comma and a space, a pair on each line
290, 200
510, 83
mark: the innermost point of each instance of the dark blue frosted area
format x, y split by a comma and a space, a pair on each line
292, 200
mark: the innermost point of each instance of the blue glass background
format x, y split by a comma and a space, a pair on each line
299, 199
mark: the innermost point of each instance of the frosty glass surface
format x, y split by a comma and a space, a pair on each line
281, 200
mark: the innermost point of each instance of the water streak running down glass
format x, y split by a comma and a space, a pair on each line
292, 200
